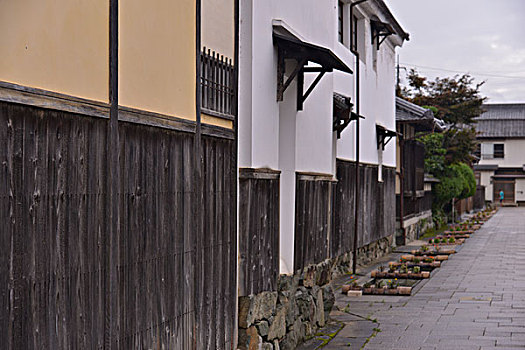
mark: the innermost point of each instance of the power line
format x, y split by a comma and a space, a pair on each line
463, 72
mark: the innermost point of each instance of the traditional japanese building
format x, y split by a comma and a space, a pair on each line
413, 186
501, 166
317, 168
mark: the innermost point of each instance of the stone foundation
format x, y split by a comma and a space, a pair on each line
416, 226
284, 318
375, 250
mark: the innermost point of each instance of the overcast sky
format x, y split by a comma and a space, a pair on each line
485, 38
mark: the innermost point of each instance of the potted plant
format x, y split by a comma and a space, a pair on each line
392, 287
367, 288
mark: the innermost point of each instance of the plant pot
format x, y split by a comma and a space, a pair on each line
404, 290
345, 288
354, 293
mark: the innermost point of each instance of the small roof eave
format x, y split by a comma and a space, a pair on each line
295, 48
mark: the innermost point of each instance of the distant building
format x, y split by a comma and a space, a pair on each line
501, 133
413, 188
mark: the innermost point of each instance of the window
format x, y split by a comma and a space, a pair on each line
477, 151
340, 7
499, 150
354, 33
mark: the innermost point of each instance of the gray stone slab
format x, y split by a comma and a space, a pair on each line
475, 300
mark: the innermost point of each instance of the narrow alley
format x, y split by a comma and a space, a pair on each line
475, 301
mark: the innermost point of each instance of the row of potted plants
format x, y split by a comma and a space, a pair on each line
419, 263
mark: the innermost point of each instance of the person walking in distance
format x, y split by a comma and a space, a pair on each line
501, 196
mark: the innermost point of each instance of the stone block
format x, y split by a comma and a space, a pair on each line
267, 346
319, 310
277, 329
262, 328
328, 298
306, 306
263, 306
244, 309
309, 276
249, 339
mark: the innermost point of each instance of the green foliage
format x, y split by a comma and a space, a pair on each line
470, 180
434, 153
450, 186
459, 144
457, 182
456, 99
448, 155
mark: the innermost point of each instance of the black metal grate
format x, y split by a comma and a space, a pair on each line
217, 84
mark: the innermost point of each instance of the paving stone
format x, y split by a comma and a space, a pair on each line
474, 300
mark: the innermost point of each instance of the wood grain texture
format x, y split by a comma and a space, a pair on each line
313, 219
376, 212
258, 230
54, 277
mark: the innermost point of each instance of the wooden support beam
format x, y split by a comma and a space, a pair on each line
310, 89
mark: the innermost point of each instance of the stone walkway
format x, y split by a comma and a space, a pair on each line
476, 300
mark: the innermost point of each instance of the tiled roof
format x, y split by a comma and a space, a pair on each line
502, 120
407, 111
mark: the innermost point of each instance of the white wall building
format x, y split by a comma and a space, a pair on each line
501, 133
302, 144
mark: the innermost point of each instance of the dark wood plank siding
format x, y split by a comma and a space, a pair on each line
313, 220
389, 201
377, 211
53, 188
479, 197
216, 265
54, 270
155, 300
258, 231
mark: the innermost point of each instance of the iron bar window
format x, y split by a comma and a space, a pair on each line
217, 84
354, 33
499, 150
340, 22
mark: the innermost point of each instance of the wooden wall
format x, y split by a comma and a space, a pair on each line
376, 211
313, 219
479, 197
216, 247
258, 230
176, 282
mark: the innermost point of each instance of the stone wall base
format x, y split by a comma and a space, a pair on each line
416, 226
282, 319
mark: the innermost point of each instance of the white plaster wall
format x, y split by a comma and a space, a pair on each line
520, 189
513, 154
245, 84
274, 134
485, 181
314, 133
377, 102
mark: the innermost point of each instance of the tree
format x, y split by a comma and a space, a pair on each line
457, 182
460, 145
457, 100
448, 155
434, 154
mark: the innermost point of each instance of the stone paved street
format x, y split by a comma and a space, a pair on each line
475, 301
